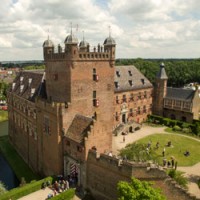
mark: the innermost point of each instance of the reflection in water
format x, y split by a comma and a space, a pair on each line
7, 175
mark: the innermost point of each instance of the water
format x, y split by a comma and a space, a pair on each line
7, 175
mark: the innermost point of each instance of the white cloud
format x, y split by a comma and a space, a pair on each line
148, 28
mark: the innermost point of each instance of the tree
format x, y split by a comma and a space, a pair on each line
138, 152
138, 190
2, 188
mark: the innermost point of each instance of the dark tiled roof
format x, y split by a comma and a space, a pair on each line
29, 84
128, 78
78, 128
180, 93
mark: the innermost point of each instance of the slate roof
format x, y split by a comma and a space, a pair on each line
78, 128
180, 94
29, 84
129, 78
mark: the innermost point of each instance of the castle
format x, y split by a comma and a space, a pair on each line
61, 118
75, 104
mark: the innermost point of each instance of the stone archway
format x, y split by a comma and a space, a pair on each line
72, 170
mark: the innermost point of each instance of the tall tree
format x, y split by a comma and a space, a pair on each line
138, 190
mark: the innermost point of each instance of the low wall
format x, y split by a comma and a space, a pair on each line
104, 172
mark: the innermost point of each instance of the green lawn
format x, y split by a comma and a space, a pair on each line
179, 145
20, 168
3, 115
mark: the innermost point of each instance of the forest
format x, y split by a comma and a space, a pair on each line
179, 71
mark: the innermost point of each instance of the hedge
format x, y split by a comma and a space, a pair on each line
194, 127
67, 195
19, 192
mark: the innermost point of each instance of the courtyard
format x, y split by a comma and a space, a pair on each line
180, 143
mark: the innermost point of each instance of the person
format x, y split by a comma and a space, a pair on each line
172, 162
163, 153
124, 138
157, 145
187, 153
169, 144
110, 154
168, 163
164, 162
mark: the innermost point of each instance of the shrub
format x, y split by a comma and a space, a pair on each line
2, 188
176, 128
67, 195
16, 193
178, 177
186, 130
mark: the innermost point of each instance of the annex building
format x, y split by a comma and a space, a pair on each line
175, 103
76, 104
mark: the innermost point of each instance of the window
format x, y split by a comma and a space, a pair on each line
130, 82
139, 95
118, 73
67, 142
95, 100
117, 99
131, 97
124, 98
95, 76
116, 84
130, 73
116, 116
80, 149
138, 110
94, 94
144, 109
145, 94
131, 112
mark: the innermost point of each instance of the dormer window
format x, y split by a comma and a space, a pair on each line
116, 84
130, 82
118, 73
143, 81
29, 81
21, 78
32, 91
130, 73
13, 86
21, 88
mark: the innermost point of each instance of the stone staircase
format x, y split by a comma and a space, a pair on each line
125, 128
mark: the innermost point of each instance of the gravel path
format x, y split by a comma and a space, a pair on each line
192, 173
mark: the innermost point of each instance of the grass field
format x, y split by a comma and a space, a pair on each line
3, 115
179, 145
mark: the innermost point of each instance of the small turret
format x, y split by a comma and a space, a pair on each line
71, 43
48, 47
109, 45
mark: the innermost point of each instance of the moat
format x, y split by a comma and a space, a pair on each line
7, 176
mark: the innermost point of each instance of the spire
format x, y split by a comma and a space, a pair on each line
162, 73
109, 27
83, 36
71, 27
48, 34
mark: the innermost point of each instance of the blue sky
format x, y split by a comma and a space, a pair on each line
141, 28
